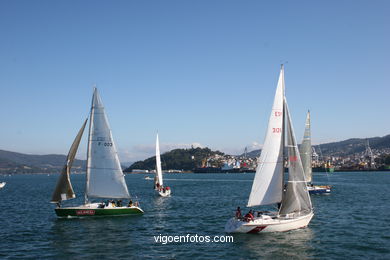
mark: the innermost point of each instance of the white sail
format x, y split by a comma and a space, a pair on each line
305, 150
267, 186
158, 163
105, 178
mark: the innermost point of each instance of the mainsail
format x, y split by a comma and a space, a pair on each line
64, 190
296, 198
267, 186
306, 150
105, 178
158, 163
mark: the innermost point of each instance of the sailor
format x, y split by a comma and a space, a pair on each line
130, 203
238, 213
249, 216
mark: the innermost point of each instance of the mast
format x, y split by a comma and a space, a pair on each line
89, 146
283, 129
282, 146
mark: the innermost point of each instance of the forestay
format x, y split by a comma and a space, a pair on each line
296, 198
105, 178
64, 190
267, 185
305, 150
158, 163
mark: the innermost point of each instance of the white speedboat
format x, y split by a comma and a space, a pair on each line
2, 184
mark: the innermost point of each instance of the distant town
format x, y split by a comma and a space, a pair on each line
367, 160
369, 154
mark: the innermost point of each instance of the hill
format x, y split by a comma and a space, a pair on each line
179, 159
12, 162
353, 146
344, 148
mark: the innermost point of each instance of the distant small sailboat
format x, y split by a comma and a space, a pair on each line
305, 151
2, 184
293, 200
158, 183
104, 178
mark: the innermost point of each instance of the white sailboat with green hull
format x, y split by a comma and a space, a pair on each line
104, 176
293, 200
305, 151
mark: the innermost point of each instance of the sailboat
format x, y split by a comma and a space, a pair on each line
293, 200
2, 184
104, 177
306, 156
158, 179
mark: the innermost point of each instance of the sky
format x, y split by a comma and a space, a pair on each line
201, 73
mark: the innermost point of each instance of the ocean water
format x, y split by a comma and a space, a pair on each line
352, 222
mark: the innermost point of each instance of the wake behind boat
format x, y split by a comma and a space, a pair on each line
294, 204
158, 179
305, 151
104, 178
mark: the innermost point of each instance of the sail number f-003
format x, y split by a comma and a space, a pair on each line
105, 144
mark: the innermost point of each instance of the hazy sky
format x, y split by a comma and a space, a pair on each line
201, 72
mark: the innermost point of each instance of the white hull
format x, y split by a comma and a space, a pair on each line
167, 193
266, 223
2, 184
315, 189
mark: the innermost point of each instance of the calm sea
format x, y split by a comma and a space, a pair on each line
352, 222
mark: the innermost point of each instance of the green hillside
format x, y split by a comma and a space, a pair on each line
179, 159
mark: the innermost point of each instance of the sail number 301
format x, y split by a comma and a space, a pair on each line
276, 130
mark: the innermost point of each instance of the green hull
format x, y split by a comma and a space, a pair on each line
86, 212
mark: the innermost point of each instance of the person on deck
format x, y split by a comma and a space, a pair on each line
130, 203
249, 216
238, 213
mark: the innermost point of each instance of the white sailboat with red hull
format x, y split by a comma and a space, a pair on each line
293, 200
158, 179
